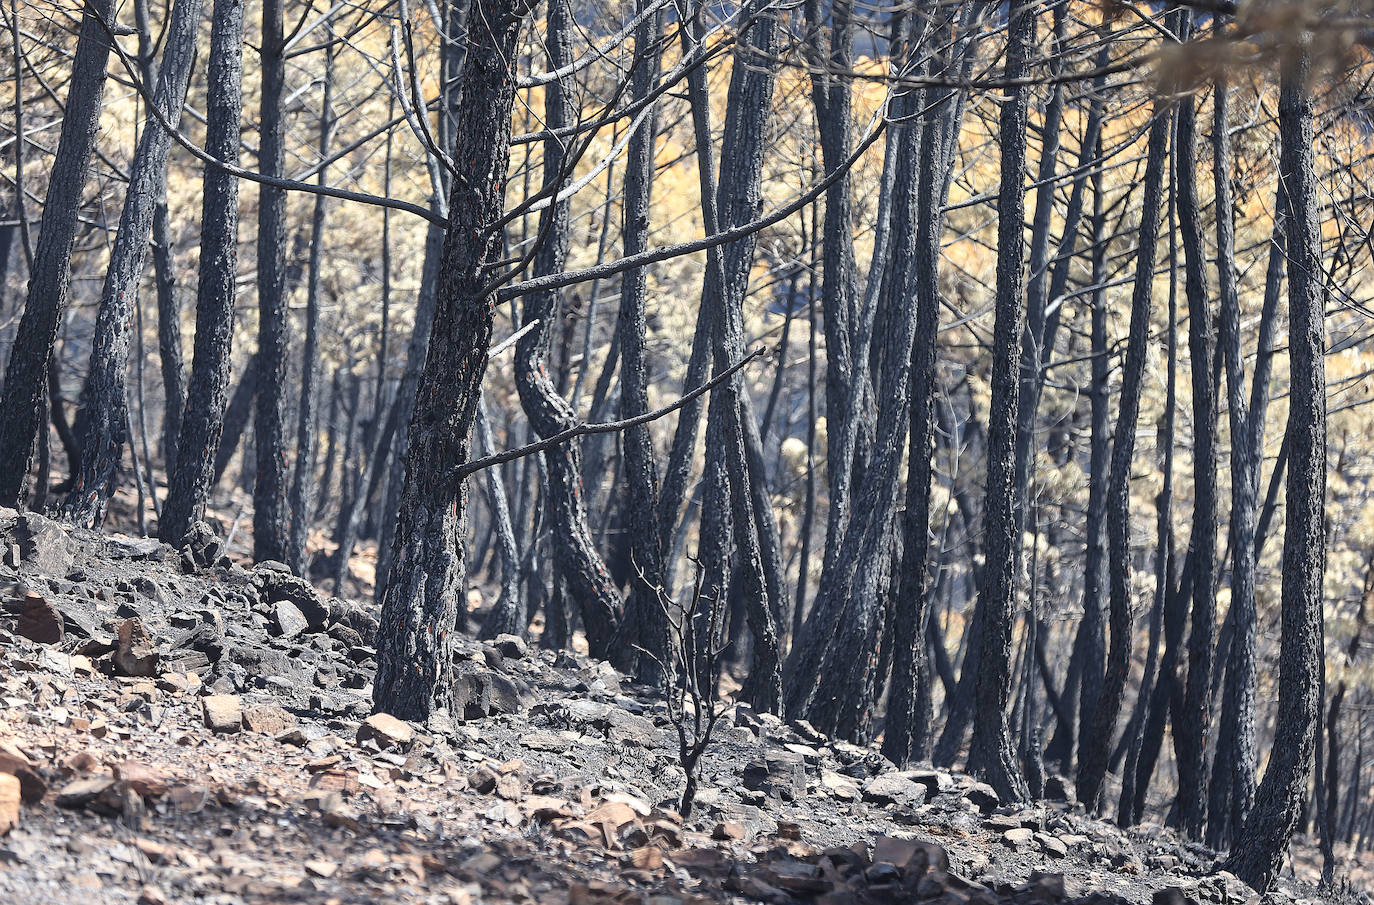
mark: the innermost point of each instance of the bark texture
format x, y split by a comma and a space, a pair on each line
427, 580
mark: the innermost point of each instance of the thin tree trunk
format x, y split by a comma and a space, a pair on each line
427, 580
199, 444
1263, 838
270, 509
1192, 732
303, 485
1095, 746
645, 624
50, 276
1233, 773
589, 581
106, 394
990, 754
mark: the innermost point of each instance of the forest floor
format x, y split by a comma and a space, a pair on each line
182, 729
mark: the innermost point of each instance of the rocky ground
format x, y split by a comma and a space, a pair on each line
177, 728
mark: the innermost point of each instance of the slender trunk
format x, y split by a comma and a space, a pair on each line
1235, 765
50, 276
1095, 746
303, 486
270, 510
427, 579
508, 615
199, 444
1263, 838
645, 623
578, 560
1092, 630
1192, 732
990, 754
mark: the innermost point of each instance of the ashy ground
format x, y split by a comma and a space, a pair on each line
175, 728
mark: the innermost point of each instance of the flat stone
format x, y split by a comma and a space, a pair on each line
1052, 846
1019, 837
386, 731
545, 741
82, 792
839, 785
268, 719
894, 788
39, 620
145, 780
222, 712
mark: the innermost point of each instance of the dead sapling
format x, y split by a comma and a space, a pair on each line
692, 677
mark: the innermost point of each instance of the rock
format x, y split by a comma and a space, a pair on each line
1042, 888
189, 799
626, 728
1019, 837
913, 857
937, 782
268, 719
9, 803
839, 786
780, 773
894, 788
983, 796
222, 712
512, 646
144, 779
39, 620
1052, 846
479, 693
728, 830
545, 741
386, 731
1059, 788
136, 655
81, 792
43, 544
204, 547
1171, 895
13, 762
278, 584
151, 895
287, 619
322, 869
483, 780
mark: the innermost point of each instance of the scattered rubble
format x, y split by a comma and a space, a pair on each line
176, 728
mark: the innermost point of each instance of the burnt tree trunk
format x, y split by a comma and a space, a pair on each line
589, 581
990, 754
270, 511
198, 446
427, 582
50, 277
1094, 746
303, 486
1263, 838
645, 623
1236, 763
103, 439
1192, 732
